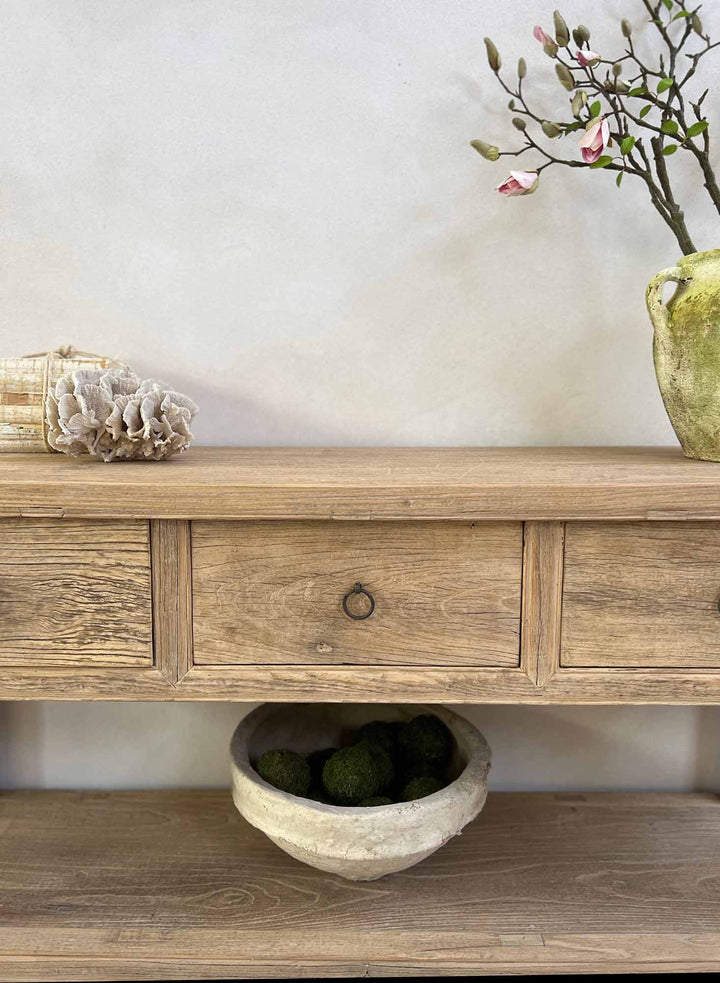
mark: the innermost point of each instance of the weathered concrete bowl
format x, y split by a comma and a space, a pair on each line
360, 844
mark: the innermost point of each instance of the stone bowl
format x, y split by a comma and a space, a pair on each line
360, 844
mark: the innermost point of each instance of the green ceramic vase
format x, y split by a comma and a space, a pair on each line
686, 349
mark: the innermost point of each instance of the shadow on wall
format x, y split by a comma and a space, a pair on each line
229, 418
22, 739
185, 745
418, 353
706, 777
601, 747
131, 745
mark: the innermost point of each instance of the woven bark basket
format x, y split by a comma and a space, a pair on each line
360, 844
24, 385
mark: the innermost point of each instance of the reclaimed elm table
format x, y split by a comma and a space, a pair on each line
463, 575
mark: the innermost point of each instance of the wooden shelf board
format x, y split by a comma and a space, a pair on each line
463, 483
175, 885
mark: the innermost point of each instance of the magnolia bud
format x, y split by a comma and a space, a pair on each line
619, 86
626, 27
492, 56
485, 150
565, 76
551, 129
697, 24
511, 104
562, 35
617, 69
579, 100
519, 123
550, 49
522, 69
583, 33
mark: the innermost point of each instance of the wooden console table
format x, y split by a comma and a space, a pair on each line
498, 575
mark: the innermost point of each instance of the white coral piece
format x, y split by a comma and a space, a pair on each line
112, 414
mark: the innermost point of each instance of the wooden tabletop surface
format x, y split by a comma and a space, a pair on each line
365, 483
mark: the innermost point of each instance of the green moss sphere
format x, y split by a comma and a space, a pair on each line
376, 800
285, 770
383, 766
378, 732
425, 741
352, 775
418, 788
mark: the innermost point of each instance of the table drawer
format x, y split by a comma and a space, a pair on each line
445, 593
75, 592
641, 594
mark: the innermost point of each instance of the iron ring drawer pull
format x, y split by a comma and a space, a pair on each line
358, 589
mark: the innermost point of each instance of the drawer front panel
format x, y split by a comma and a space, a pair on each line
271, 593
641, 594
75, 592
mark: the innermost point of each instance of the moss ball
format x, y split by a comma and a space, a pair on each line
286, 770
418, 788
425, 740
316, 760
383, 765
378, 732
352, 775
376, 800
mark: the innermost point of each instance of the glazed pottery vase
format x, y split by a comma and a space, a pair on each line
686, 349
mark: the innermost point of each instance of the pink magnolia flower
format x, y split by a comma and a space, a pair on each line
541, 36
587, 58
594, 140
519, 183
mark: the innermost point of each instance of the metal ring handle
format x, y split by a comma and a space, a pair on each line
358, 589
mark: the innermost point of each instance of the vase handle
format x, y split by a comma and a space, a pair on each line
654, 295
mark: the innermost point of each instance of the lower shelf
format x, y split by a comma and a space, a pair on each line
175, 885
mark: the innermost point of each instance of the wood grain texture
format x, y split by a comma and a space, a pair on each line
411, 684
370, 474
447, 684
172, 628
371, 483
543, 556
185, 604
271, 593
50, 682
642, 594
177, 885
75, 592
30, 971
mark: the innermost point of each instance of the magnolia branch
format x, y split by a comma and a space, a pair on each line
612, 111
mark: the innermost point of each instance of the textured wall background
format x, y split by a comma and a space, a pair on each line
272, 203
